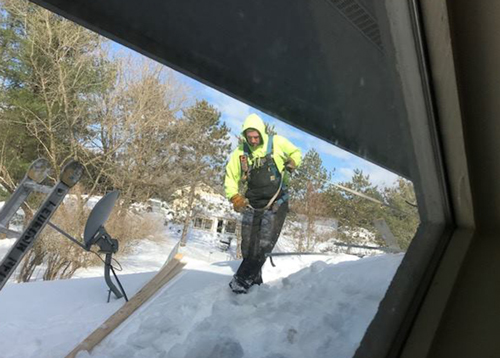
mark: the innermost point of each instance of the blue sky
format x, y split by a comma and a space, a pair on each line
234, 113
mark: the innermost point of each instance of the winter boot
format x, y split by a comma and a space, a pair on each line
239, 285
258, 279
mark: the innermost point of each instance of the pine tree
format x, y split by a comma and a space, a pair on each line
311, 174
51, 76
18, 148
203, 156
402, 217
307, 189
352, 211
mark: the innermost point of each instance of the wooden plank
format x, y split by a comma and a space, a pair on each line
168, 272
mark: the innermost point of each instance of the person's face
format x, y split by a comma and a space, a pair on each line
253, 137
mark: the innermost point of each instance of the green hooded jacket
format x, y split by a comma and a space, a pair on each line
282, 150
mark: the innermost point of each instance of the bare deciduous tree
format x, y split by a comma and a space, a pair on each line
138, 132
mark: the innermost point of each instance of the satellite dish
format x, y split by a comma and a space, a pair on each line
98, 216
95, 233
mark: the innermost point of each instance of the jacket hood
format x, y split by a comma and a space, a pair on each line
255, 122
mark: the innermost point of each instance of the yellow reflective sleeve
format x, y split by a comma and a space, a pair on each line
289, 150
233, 174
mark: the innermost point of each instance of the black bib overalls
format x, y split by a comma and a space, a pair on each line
260, 229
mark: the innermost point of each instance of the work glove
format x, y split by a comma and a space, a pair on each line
290, 165
239, 203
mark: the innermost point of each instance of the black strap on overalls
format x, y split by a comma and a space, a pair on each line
271, 187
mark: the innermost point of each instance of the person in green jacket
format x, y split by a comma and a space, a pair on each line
263, 162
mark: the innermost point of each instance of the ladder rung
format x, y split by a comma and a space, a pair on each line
38, 187
10, 233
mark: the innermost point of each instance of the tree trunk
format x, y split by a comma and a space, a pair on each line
309, 231
187, 221
309, 216
239, 254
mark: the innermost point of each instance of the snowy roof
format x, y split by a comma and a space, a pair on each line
309, 307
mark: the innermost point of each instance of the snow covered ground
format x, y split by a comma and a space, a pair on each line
310, 306
320, 311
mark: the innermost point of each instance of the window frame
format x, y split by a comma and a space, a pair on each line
408, 316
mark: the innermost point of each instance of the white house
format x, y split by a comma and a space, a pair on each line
212, 212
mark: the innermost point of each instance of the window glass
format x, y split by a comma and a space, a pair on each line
198, 222
207, 224
230, 227
146, 130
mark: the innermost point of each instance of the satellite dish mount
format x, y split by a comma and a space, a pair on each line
96, 234
109, 246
